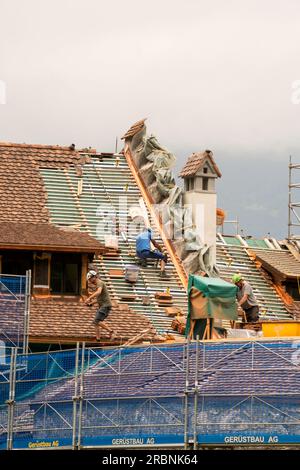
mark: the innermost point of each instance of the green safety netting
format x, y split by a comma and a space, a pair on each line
210, 298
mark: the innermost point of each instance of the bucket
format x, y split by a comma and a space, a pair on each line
131, 273
220, 216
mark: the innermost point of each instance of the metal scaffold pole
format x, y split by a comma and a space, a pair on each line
11, 400
293, 205
290, 199
196, 394
186, 397
80, 398
27, 311
75, 399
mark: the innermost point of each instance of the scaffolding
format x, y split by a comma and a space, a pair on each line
182, 395
234, 223
293, 205
15, 310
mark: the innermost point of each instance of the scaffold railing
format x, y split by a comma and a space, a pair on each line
183, 395
15, 310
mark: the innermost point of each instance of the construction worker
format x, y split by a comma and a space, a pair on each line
144, 252
102, 297
246, 298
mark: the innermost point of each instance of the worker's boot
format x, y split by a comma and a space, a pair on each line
164, 275
142, 262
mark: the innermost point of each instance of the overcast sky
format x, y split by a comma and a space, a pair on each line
208, 75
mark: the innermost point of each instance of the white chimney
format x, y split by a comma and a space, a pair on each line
200, 173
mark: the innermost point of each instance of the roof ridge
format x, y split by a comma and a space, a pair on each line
195, 161
38, 146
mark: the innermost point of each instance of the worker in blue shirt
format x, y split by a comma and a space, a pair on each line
143, 250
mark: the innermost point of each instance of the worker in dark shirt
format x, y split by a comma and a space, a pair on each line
246, 298
102, 297
144, 252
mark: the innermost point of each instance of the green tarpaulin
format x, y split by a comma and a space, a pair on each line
210, 297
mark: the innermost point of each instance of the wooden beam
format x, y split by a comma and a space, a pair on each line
63, 340
149, 201
84, 268
54, 248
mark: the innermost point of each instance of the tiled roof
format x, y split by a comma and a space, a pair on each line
195, 163
279, 262
104, 183
134, 129
42, 188
43, 154
233, 259
153, 372
42, 179
41, 236
53, 320
22, 193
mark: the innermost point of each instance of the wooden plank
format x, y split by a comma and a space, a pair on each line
84, 268
137, 337
150, 204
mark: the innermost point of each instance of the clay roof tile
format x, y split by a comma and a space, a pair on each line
196, 161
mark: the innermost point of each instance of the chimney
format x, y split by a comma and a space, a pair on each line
199, 174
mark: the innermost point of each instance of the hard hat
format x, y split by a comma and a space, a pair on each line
236, 278
91, 274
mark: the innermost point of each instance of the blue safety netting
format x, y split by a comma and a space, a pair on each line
145, 395
12, 308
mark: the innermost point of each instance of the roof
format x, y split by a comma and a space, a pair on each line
22, 193
196, 161
42, 189
232, 259
53, 169
20, 235
104, 183
46, 154
279, 262
134, 129
53, 320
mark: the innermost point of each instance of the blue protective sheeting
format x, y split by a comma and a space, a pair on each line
138, 396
